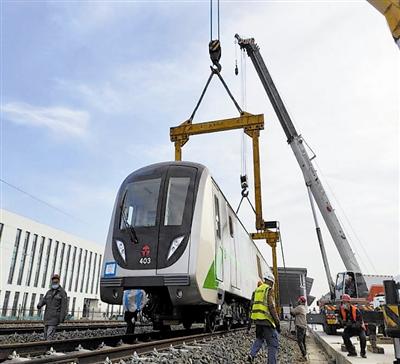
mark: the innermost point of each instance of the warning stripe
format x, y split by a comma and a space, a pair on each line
391, 313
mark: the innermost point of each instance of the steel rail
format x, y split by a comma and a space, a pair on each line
113, 353
22, 328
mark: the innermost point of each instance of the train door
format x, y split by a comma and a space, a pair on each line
176, 219
233, 253
219, 252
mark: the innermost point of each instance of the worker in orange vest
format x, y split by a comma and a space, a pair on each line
353, 326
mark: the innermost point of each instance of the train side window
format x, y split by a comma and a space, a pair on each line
230, 226
259, 267
217, 217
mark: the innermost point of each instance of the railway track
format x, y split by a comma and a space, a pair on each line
26, 327
98, 349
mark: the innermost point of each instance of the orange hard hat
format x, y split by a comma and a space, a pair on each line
346, 298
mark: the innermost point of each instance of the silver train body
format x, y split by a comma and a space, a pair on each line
174, 234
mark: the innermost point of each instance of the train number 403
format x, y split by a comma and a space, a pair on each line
145, 260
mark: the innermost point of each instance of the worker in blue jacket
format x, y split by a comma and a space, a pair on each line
133, 301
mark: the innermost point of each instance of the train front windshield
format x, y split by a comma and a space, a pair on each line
153, 221
140, 203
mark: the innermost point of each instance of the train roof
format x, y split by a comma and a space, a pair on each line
145, 170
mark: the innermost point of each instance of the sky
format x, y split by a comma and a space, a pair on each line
89, 91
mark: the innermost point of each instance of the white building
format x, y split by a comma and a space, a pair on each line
30, 253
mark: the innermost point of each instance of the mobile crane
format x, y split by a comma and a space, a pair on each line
316, 192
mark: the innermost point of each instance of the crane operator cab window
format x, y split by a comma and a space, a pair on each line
352, 284
345, 284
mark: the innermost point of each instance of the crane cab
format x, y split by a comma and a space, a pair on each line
350, 283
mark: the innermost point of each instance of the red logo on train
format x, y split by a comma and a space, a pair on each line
145, 252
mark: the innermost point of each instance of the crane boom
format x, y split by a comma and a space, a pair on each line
296, 142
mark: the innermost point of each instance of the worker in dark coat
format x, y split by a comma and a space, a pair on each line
353, 326
263, 314
55, 301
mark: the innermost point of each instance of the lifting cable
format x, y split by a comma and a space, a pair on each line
285, 272
244, 184
211, 20
214, 48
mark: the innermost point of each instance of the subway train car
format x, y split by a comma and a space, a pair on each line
174, 234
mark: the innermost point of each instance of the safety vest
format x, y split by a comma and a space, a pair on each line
259, 311
353, 312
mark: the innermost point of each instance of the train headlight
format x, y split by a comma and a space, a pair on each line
121, 249
175, 245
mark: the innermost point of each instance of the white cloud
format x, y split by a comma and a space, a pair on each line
60, 120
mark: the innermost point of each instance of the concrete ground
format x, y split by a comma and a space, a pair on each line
315, 354
332, 344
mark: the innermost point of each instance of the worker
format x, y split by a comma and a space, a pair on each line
265, 317
133, 300
314, 312
55, 301
300, 322
350, 286
353, 326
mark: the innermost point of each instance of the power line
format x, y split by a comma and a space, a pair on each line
40, 200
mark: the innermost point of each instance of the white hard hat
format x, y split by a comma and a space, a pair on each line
269, 276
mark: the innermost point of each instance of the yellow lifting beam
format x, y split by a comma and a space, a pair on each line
251, 124
390, 9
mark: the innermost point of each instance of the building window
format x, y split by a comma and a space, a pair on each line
39, 262
23, 306
15, 304
98, 275
23, 258
72, 269
5, 303
259, 267
32, 305
32, 258
14, 256
39, 312
46, 263
60, 269
1, 230
78, 271
88, 273
73, 306
65, 274
230, 226
55, 253
83, 271
94, 272
217, 217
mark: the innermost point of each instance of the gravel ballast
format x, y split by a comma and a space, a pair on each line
232, 348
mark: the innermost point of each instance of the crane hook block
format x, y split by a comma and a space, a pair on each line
214, 48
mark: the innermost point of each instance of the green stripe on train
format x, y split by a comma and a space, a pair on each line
211, 280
